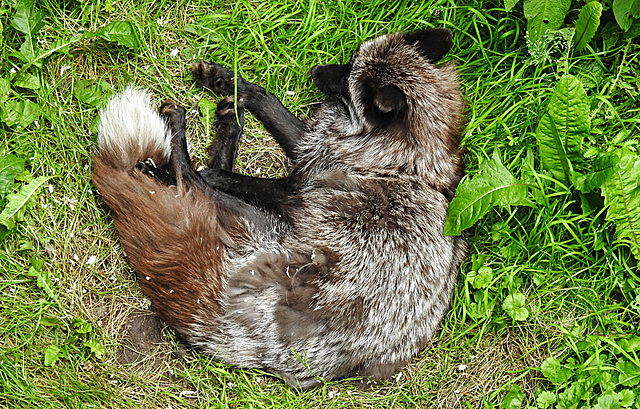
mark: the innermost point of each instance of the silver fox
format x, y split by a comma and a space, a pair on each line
340, 268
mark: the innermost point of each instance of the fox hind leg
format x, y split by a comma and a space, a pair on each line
228, 125
180, 161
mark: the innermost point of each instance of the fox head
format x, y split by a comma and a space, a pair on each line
399, 109
385, 75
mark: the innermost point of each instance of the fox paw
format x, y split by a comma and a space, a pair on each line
172, 112
230, 115
149, 168
214, 77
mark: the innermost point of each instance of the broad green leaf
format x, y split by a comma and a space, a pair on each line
51, 355
484, 277
601, 170
18, 203
621, 193
95, 93
121, 32
43, 280
608, 402
563, 128
96, 348
513, 399
28, 20
553, 370
545, 399
510, 4
5, 88
632, 344
587, 24
493, 186
27, 80
514, 305
10, 167
627, 398
84, 328
20, 113
629, 373
625, 11
543, 16
550, 12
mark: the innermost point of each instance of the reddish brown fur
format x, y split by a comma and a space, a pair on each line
161, 248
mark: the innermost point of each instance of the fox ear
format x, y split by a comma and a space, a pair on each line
389, 99
433, 44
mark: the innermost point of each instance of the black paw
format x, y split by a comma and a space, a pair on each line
215, 77
149, 168
173, 113
230, 115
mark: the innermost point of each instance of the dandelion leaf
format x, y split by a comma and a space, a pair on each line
122, 32
543, 16
562, 129
625, 11
28, 20
493, 186
18, 203
621, 192
587, 24
10, 167
602, 168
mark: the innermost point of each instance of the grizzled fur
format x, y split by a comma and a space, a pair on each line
339, 268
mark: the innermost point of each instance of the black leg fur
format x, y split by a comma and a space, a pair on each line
228, 126
180, 162
267, 194
282, 124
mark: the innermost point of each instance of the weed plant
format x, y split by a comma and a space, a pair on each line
546, 310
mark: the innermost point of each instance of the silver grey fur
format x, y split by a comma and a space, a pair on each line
352, 275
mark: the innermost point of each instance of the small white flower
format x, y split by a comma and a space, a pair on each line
462, 367
50, 188
91, 260
75, 257
188, 394
290, 93
174, 52
64, 68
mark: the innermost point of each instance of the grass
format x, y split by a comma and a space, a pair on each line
581, 285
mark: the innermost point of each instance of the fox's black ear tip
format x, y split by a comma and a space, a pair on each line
443, 33
433, 43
